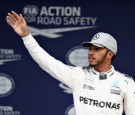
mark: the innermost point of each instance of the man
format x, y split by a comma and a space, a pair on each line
97, 90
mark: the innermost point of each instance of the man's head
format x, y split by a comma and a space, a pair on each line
102, 39
103, 47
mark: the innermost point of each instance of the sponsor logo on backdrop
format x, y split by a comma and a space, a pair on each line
8, 110
70, 110
78, 56
55, 16
53, 33
8, 55
7, 85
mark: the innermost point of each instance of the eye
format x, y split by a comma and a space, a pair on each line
95, 48
98, 48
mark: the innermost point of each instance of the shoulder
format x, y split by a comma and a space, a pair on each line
86, 69
124, 77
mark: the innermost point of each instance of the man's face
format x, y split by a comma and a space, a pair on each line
97, 55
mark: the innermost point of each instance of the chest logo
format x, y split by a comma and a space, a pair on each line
114, 91
89, 79
116, 83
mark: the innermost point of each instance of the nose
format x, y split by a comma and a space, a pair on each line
91, 52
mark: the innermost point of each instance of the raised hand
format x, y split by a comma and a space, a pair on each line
18, 23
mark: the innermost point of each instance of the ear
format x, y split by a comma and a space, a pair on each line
110, 55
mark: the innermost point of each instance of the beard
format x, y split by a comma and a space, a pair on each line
99, 62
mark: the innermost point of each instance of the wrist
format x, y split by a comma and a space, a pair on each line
25, 34
25, 38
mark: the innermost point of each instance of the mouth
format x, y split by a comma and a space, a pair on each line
91, 59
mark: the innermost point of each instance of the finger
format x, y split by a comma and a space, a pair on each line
22, 19
12, 17
10, 24
16, 15
10, 20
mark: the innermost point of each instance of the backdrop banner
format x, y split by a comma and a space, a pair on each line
60, 28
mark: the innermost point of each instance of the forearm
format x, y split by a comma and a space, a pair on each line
44, 60
48, 63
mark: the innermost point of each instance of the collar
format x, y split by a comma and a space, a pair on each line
108, 73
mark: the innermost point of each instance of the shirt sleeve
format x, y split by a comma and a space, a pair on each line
64, 73
129, 101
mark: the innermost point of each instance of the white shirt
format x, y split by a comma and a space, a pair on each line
92, 96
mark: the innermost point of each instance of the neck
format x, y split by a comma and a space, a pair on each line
103, 68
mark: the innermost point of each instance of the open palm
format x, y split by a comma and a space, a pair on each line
18, 23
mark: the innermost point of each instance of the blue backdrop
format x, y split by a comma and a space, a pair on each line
60, 28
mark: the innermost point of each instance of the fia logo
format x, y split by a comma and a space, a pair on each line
30, 10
